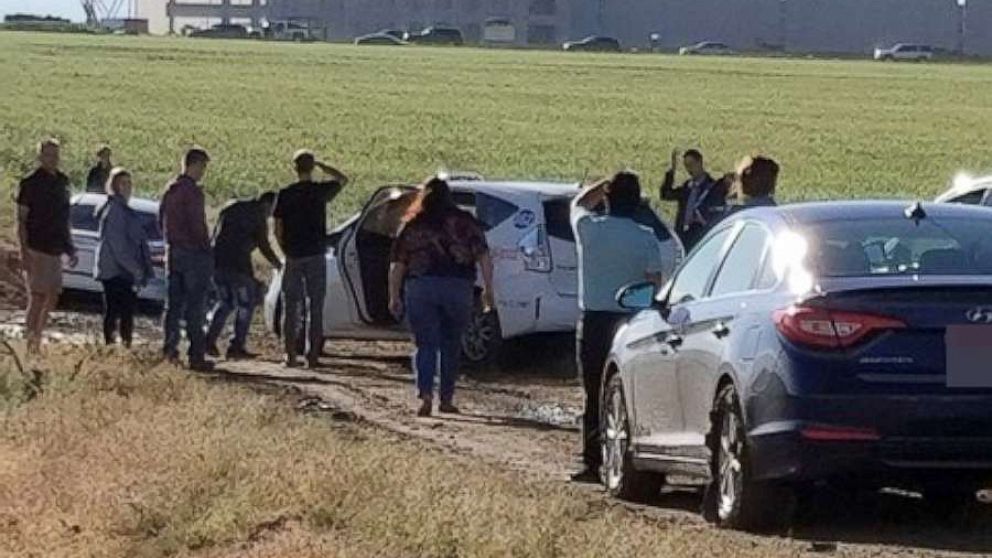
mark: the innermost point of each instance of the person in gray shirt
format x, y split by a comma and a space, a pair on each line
614, 251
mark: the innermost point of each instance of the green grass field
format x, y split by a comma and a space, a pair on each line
840, 129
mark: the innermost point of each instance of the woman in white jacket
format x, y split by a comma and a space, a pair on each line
123, 260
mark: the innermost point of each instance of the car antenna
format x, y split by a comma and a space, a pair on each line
915, 212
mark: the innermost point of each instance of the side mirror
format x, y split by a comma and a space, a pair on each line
638, 296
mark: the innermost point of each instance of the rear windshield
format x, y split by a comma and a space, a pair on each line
900, 247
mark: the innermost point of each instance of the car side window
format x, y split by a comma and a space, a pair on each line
492, 211
83, 217
557, 217
971, 198
690, 283
741, 265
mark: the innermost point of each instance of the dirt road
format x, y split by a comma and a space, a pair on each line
527, 420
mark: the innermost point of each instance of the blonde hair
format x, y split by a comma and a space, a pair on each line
115, 174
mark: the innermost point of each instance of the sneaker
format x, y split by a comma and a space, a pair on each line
240, 354
201, 366
449, 409
589, 475
213, 351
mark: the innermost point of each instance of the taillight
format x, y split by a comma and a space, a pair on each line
829, 329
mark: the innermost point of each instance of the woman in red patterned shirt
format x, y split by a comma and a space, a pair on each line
432, 278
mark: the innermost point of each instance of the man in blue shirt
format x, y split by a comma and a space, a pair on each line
614, 251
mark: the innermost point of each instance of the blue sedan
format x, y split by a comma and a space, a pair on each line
844, 342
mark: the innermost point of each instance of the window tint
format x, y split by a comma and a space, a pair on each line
690, 283
557, 215
899, 246
149, 222
491, 211
83, 217
645, 216
972, 198
741, 264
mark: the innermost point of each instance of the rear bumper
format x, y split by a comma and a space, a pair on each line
781, 451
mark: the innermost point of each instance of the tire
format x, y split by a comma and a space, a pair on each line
483, 340
733, 499
618, 474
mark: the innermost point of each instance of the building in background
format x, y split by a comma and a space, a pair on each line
799, 26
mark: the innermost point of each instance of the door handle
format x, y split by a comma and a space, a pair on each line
674, 339
721, 330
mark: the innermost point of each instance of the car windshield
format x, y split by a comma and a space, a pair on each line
900, 246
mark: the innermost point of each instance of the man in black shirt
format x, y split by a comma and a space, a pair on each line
44, 235
96, 180
242, 227
301, 229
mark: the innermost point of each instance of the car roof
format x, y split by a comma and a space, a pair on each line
818, 212
551, 189
967, 186
143, 205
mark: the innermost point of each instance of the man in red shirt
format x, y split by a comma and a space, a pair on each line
43, 232
190, 262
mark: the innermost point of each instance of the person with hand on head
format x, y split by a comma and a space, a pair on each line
96, 179
44, 236
123, 261
614, 251
301, 229
242, 227
700, 199
433, 266
182, 215
755, 183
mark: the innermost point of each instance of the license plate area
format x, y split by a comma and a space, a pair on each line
969, 356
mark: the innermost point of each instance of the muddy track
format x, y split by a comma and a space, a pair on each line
527, 421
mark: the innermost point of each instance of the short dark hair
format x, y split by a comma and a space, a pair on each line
304, 160
268, 198
695, 154
48, 142
195, 156
624, 193
758, 176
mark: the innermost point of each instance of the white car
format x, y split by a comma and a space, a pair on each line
905, 51
85, 235
968, 190
530, 237
707, 48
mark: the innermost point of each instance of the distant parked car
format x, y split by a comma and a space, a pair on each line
593, 43
221, 31
85, 229
393, 32
379, 39
435, 35
969, 190
707, 48
905, 51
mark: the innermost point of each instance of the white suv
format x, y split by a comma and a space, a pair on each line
530, 237
902, 51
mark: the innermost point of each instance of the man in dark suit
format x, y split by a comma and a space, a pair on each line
701, 200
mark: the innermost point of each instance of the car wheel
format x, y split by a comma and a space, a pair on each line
733, 499
619, 476
482, 341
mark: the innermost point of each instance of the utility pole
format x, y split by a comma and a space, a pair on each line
962, 25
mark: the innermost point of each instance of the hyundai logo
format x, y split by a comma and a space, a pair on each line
980, 315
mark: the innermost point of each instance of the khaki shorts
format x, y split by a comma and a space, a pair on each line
43, 273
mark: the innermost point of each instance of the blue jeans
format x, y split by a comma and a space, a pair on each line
235, 293
439, 310
190, 272
304, 279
